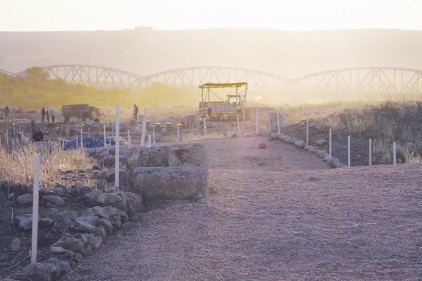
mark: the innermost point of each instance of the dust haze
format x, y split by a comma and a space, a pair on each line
145, 50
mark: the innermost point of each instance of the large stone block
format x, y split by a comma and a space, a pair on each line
181, 154
170, 183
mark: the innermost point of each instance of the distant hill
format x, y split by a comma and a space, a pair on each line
145, 51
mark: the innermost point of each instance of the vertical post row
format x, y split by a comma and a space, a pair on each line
35, 201
117, 150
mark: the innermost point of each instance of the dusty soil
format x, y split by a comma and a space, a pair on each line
275, 214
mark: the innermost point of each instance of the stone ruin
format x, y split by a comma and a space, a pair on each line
148, 175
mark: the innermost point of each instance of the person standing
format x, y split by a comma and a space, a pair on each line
135, 112
52, 113
47, 112
43, 112
6, 113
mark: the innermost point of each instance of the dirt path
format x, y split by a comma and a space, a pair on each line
298, 221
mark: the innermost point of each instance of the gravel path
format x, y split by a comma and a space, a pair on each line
275, 214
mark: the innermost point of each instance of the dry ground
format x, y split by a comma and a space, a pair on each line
275, 214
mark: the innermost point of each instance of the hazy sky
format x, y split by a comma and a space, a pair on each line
40, 15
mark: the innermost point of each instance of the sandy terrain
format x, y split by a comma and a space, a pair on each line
275, 214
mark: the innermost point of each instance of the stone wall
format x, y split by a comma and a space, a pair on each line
170, 172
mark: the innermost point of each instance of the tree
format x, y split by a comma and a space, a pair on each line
36, 72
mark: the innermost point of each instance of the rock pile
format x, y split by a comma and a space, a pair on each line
84, 233
333, 162
172, 172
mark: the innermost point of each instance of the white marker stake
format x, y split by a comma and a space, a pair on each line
153, 134
178, 132
394, 153
307, 132
348, 151
117, 150
329, 142
144, 127
35, 214
205, 127
257, 122
105, 145
238, 126
82, 142
149, 141
278, 123
370, 152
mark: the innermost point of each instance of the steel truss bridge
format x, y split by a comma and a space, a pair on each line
383, 80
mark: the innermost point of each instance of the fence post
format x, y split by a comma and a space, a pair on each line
117, 150
144, 127
205, 126
149, 141
105, 139
82, 141
178, 132
307, 132
238, 126
348, 151
370, 152
278, 123
153, 134
35, 214
394, 153
329, 142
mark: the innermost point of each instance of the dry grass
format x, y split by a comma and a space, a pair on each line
17, 163
384, 123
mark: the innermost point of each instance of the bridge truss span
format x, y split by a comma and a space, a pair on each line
386, 81
95, 76
381, 80
5, 72
195, 76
